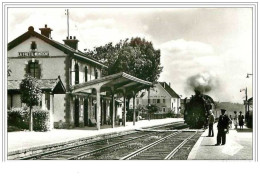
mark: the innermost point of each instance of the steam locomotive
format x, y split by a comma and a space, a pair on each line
196, 110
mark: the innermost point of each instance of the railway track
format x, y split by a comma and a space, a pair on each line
67, 152
162, 149
87, 149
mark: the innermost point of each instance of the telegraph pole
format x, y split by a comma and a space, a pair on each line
246, 102
247, 76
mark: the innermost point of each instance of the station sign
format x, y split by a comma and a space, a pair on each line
33, 54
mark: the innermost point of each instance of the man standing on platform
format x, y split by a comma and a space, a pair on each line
223, 122
211, 122
235, 119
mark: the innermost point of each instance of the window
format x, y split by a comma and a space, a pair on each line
86, 74
34, 68
154, 100
76, 67
164, 110
33, 46
158, 100
163, 100
96, 74
90, 73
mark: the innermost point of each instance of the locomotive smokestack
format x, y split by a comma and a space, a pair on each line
197, 92
202, 83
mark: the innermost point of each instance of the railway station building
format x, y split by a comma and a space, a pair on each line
74, 91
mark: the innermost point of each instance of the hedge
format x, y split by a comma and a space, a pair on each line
41, 120
130, 113
18, 119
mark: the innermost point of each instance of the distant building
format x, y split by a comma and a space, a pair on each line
161, 95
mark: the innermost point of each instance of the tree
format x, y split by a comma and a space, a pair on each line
152, 109
136, 57
30, 94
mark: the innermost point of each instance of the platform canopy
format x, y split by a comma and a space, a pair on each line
114, 83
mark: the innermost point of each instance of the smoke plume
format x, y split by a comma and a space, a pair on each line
202, 82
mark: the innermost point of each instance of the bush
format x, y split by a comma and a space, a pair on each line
170, 114
152, 109
129, 115
18, 117
41, 120
13, 129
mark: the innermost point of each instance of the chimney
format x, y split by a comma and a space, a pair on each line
170, 84
46, 31
164, 85
72, 42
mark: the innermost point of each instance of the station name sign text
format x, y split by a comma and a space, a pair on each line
33, 53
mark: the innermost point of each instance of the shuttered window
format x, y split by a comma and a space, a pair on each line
33, 45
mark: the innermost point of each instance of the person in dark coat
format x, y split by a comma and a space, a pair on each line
235, 119
241, 120
223, 123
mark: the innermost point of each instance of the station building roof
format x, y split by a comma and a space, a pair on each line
65, 48
52, 85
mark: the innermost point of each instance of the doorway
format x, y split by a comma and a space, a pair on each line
76, 113
86, 111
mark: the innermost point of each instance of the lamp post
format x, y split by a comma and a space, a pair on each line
247, 75
245, 99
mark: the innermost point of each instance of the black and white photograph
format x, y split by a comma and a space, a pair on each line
169, 83
141, 81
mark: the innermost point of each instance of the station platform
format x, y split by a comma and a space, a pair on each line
26, 140
239, 146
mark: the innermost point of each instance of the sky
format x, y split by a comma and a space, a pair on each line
210, 43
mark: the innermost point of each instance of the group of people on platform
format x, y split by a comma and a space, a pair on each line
224, 124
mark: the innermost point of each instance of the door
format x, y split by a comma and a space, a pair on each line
105, 112
86, 111
76, 119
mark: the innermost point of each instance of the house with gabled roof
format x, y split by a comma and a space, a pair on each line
74, 91
162, 95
